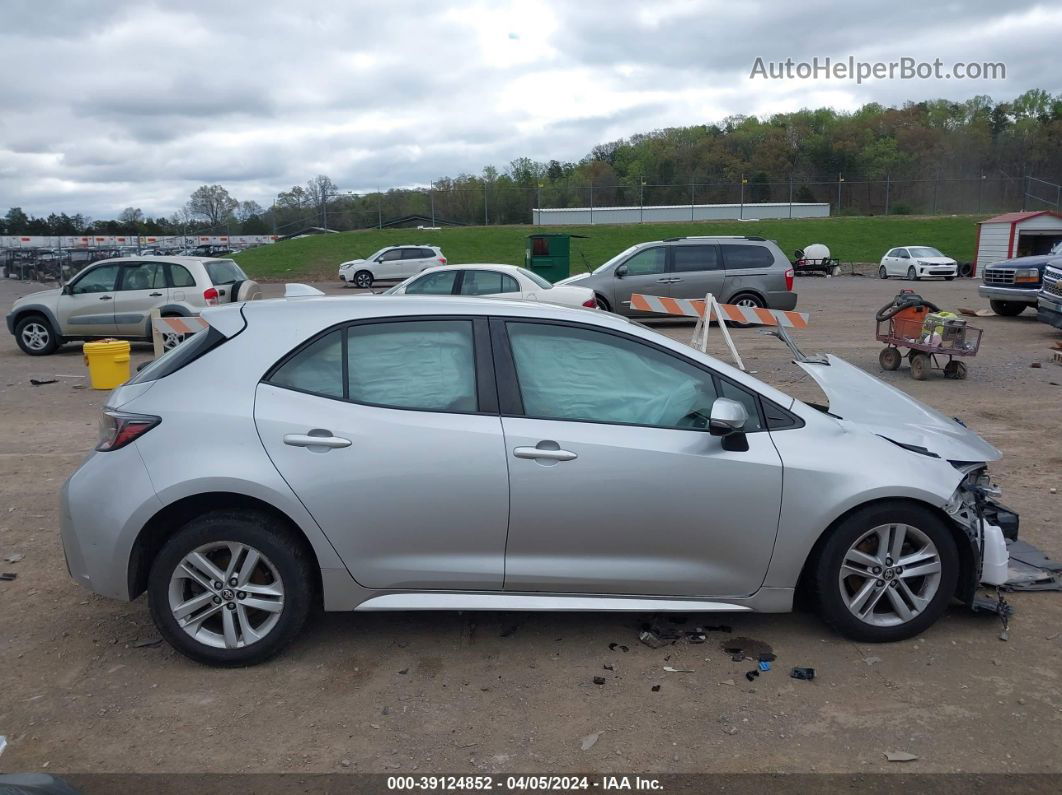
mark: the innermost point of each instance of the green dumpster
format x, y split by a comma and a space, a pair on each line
549, 255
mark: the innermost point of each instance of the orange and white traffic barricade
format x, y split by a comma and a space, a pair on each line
168, 332
708, 309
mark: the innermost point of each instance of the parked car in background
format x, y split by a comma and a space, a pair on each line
390, 264
1049, 304
114, 298
499, 281
564, 460
917, 262
1014, 284
742, 270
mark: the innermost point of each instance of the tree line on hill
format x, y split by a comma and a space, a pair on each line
886, 159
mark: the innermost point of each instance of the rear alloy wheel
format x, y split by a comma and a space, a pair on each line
35, 336
230, 588
363, 280
882, 273
886, 573
1007, 308
912, 274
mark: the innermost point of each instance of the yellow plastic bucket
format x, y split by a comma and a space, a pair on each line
108, 363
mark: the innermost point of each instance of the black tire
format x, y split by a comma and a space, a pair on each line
920, 366
827, 570
1007, 308
750, 299
363, 280
272, 539
602, 303
912, 274
882, 273
890, 359
36, 336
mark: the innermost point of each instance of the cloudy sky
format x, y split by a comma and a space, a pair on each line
107, 104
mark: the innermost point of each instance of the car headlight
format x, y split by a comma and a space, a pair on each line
924, 264
1027, 275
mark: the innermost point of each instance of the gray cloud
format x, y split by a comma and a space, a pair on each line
108, 103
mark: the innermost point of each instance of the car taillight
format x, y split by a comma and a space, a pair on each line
119, 428
789, 279
210, 295
590, 303
442, 260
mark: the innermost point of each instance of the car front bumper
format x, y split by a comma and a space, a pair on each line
1023, 295
1049, 311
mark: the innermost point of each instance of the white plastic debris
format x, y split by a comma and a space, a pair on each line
590, 740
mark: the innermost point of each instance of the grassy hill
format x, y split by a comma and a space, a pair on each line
851, 239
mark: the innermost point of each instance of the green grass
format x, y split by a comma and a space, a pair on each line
851, 239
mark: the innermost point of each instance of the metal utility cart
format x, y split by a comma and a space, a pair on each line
912, 322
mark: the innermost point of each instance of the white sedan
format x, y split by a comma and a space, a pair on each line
496, 281
917, 262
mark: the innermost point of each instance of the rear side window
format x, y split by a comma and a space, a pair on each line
696, 258
224, 271
180, 277
746, 256
425, 365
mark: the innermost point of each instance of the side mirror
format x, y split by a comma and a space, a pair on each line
621, 271
728, 416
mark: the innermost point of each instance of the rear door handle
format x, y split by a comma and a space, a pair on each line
309, 440
548, 455
154, 295
106, 297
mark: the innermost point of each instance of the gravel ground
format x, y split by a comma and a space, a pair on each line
463, 693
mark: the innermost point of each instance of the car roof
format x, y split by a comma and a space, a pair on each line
175, 259
473, 266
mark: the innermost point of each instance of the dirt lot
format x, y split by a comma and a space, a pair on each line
467, 693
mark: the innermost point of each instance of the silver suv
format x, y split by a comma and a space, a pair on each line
114, 298
390, 264
508, 455
747, 271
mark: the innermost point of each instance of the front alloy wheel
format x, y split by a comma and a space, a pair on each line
363, 280
34, 336
886, 572
912, 274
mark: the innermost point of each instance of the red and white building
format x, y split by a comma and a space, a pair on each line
1016, 235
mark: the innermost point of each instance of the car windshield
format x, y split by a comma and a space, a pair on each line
545, 285
924, 251
621, 256
375, 254
224, 271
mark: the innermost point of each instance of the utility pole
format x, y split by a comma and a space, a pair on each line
888, 189
790, 195
980, 191
486, 222
431, 193
691, 198
840, 179
379, 209
641, 202
741, 209
591, 204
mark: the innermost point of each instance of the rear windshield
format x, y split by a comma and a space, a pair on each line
224, 271
535, 278
197, 345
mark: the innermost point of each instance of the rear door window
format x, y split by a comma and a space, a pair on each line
488, 283
695, 258
180, 277
438, 283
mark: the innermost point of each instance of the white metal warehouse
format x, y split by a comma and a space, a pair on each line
586, 216
1016, 235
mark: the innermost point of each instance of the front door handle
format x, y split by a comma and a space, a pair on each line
154, 295
544, 454
106, 297
312, 440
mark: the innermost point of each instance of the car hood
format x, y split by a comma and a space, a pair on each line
861, 399
350, 262
1035, 261
40, 296
936, 260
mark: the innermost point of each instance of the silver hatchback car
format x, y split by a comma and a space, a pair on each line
443, 453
